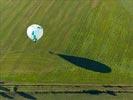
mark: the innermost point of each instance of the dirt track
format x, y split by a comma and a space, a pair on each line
69, 88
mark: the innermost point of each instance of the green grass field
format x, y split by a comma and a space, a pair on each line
100, 30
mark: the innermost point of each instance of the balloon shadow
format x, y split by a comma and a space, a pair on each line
85, 63
27, 96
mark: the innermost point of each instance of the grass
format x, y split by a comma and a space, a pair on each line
49, 96
72, 27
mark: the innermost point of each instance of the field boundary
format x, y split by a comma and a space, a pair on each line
68, 88
48, 84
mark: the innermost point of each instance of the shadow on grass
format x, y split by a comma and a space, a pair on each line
97, 92
6, 95
4, 89
111, 93
26, 95
85, 63
91, 92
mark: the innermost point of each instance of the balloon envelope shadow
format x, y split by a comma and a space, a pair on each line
86, 63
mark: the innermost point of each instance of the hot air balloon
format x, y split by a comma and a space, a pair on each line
34, 32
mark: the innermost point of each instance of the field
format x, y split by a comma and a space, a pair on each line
80, 37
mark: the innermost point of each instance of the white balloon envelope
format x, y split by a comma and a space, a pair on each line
35, 32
